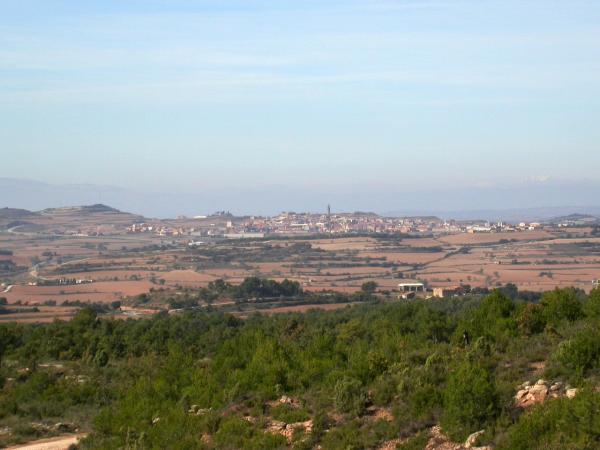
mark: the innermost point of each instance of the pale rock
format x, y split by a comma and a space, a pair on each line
285, 400
571, 393
276, 426
537, 394
522, 393
470, 442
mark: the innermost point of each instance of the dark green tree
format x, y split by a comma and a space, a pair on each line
470, 400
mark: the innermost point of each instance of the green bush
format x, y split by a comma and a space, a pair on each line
470, 401
289, 414
416, 442
235, 433
346, 437
562, 305
531, 318
350, 396
592, 305
425, 400
579, 354
492, 319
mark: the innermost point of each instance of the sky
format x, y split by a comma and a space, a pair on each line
356, 98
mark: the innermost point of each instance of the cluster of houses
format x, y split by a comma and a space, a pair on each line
307, 223
159, 230
291, 223
415, 289
501, 227
60, 281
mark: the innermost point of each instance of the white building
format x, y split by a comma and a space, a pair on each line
411, 287
411, 290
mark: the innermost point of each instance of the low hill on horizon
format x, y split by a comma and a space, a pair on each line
513, 203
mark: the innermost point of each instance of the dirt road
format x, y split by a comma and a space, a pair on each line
57, 443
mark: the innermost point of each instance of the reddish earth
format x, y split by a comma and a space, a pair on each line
534, 260
103, 292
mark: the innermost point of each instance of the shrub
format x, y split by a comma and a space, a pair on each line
592, 306
346, 437
470, 401
350, 396
493, 318
576, 356
531, 319
235, 433
560, 305
369, 287
424, 400
289, 414
416, 442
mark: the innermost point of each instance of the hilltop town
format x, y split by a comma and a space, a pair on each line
224, 224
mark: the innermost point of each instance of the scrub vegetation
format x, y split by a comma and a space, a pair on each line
347, 379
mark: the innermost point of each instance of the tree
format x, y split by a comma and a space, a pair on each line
510, 290
350, 396
369, 287
530, 319
579, 354
470, 400
493, 318
562, 304
592, 306
101, 358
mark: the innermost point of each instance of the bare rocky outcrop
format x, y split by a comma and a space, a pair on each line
439, 441
391, 445
378, 413
285, 400
206, 439
196, 410
59, 427
472, 439
528, 395
65, 427
287, 429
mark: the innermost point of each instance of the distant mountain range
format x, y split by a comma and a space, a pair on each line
557, 214
533, 202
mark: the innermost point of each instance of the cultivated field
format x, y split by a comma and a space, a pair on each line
90, 258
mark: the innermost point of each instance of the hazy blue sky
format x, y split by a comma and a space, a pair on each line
402, 95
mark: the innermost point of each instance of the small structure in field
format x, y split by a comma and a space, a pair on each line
411, 290
449, 291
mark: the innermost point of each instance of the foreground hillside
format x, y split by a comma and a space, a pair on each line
379, 375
